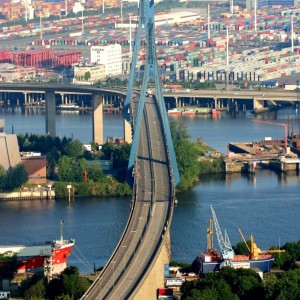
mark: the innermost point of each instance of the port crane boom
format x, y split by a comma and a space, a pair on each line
224, 243
255, 251
277, 124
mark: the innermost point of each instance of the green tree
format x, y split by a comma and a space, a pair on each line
74, 149
287, 286
108, 149
8, 264
2, 177
87, 76
68, 284
15, 177
241, 248
20, 175
71, 169
36, 291
94, 171
186, 155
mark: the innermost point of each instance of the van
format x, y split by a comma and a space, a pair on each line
4, 295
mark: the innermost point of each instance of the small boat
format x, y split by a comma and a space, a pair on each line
50, 256
70, 107
189, 112
174, 111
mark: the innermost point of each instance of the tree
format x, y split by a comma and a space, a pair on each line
87, 76
68, 284
241, 248
186, 155
8, 264
2, 177
287, 286
94, 171
14, 177
71, 169
36, 292
20, 175
74, 149
108, 149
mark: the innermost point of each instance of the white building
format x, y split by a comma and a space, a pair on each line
110, 56
95, 73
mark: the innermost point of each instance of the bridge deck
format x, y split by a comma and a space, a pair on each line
153, 202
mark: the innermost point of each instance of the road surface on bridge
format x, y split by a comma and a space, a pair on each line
151, 212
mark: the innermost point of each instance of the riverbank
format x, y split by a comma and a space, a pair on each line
28, 195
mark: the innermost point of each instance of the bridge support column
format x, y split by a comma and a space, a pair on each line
216, 103
257, 105
127, 132
25, 98
155, 277
98, 119
62, 98
50, 113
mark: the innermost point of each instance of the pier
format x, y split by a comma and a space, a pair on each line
273, 154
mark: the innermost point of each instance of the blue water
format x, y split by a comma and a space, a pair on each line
265, 204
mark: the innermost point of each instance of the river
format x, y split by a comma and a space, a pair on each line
265, 204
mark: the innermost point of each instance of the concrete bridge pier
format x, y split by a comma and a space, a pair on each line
62, 98
97, 119
25, 98
257, 104
155, 277
127, 132
50, 113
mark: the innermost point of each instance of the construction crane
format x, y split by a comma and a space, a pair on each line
278, 124
210, 236
224, 243
255, 251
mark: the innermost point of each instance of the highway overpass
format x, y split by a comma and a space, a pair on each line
181, 97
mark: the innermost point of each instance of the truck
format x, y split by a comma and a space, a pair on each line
270, 83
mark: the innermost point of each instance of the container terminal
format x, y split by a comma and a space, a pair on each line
189, 46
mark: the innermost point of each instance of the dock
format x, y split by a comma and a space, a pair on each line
28, 195
247, 157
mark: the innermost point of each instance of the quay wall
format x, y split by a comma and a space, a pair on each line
234, 166
27, 195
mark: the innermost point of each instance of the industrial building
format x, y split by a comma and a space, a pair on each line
91, 73
110, 56
34, 164
9, 149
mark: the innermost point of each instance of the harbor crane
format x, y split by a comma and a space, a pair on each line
278, 124
224, 242
254, 251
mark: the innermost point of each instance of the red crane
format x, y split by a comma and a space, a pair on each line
278, 124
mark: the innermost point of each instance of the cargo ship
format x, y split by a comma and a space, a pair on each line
210, 260
48, 257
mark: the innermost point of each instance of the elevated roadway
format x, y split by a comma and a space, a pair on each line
149, 221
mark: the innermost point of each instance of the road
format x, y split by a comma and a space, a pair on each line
151, 212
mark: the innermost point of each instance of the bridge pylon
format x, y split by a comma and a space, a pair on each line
146, 25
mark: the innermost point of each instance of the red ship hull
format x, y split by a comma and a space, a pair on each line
34, 258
